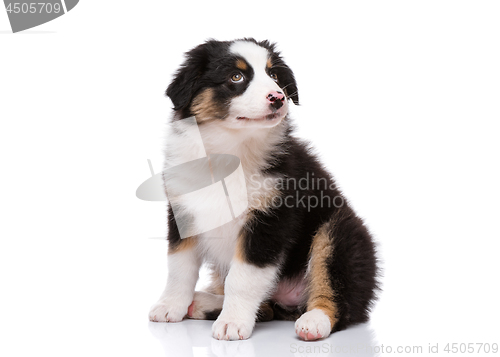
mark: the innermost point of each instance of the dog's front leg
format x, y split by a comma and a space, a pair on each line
183, 269
246, 286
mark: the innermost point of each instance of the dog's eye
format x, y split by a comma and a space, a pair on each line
273, 76
238, 77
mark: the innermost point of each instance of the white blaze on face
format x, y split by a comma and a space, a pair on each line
253, 103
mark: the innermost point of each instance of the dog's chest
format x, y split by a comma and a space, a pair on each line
217, 245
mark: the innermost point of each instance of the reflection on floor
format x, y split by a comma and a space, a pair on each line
193, 338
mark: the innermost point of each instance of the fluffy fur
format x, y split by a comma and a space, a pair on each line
299, 251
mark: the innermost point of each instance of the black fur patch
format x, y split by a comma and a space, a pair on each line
212, 315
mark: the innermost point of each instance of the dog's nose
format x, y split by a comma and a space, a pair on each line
276, 99
274, 96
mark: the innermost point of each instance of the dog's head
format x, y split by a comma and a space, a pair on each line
242, 83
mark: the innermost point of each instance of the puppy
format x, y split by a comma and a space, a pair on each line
298, 252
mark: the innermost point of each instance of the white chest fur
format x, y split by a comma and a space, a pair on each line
253, 148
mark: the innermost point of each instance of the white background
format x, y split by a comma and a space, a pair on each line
400, 99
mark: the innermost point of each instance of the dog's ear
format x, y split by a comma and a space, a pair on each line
286, 79
289, 84
186, 80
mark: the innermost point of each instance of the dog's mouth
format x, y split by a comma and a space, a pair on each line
271, 116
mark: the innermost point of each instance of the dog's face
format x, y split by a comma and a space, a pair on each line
241, 84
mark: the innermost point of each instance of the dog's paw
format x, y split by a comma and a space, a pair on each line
313, 325
232, 329
205, 306
166, 311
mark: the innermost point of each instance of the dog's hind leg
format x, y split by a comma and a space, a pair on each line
342, 277
205, 306
321, 313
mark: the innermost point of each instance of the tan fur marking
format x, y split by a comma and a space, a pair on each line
241, 65
239, 253
269, 63
186, 243
204, 108
320, 291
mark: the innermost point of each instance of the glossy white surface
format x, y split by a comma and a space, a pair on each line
274, 338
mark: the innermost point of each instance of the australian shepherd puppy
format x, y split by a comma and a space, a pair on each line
298, 252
